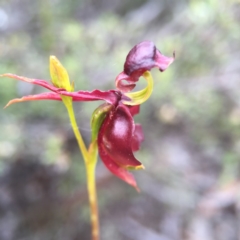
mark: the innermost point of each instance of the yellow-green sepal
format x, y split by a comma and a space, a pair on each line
97, 118
141, 96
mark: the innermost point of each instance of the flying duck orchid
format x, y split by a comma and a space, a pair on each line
113, 127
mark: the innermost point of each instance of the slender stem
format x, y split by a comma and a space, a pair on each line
76, 131
90, 159
93, 199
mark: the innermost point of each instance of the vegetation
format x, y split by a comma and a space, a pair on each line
193, 120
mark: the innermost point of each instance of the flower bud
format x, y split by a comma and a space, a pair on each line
59, 75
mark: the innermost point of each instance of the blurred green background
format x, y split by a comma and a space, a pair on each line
190, 188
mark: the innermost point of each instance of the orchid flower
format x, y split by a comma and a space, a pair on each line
118, 135
114, 133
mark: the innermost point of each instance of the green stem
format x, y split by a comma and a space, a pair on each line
90, 159
76, 131
91, 182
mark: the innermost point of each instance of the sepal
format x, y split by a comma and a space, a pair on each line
98, 116
41, 96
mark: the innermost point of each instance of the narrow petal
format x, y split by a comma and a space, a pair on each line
115, 136
42, 83
142, 57
138, 137
111, 96
41, 96
116, 169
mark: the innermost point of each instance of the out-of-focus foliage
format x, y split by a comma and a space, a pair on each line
191, 122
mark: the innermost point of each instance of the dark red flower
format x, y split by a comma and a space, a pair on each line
117, 139
113, 126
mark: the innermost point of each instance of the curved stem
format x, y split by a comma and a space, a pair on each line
90, 159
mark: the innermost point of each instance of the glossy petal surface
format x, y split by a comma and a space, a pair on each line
115, 137
138, 137
142, 57
117, 170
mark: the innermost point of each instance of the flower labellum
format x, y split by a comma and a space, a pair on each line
142, 57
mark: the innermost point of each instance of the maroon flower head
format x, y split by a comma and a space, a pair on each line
118, 137
142, 57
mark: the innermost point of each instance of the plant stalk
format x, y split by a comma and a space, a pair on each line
90, 159
92, 193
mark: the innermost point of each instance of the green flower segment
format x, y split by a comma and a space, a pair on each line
114, 134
